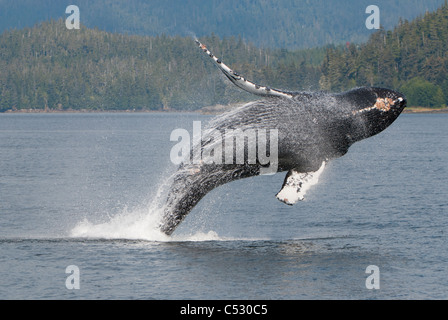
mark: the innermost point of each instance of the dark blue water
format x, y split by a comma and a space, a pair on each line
83, 190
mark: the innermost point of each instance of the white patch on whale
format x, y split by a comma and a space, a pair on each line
297, 184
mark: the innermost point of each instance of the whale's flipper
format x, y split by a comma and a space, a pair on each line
243, 83
296, 185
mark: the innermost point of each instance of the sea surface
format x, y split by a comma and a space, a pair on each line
83, 191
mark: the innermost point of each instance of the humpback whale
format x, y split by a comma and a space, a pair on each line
313, 128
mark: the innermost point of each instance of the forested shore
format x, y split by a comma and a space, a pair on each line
50, 68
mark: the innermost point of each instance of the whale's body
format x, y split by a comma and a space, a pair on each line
312, 128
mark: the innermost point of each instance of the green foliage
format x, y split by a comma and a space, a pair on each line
49, 66
412, 56
423, 93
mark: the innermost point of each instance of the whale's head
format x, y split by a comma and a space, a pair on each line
373, 110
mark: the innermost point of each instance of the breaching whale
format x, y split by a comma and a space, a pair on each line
312, 129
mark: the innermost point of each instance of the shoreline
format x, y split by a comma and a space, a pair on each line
40, 111
210, 110
425, 110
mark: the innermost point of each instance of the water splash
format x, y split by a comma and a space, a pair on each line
138, 224
133, 225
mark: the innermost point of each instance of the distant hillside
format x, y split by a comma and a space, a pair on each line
288, 24
412, 58
50, 67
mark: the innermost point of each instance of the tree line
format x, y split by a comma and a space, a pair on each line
50, 67
412, 58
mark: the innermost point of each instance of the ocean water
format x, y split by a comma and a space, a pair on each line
84, 190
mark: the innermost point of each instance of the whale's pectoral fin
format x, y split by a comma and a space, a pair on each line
296, 185
243, 83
